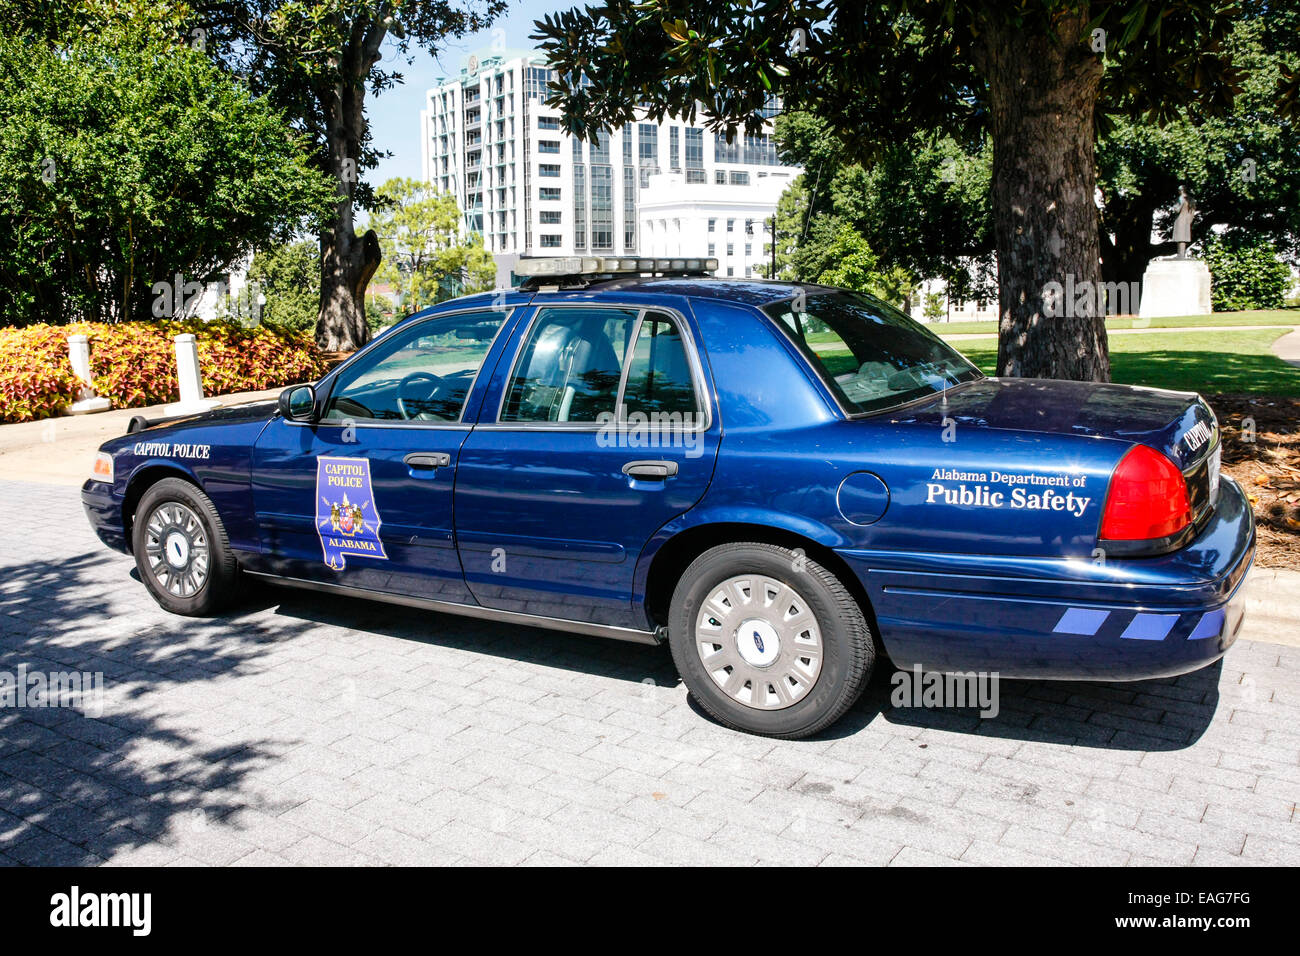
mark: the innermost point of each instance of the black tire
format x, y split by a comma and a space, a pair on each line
847, 648
206, 535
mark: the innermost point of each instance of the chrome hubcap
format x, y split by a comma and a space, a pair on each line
176, 548
759, 641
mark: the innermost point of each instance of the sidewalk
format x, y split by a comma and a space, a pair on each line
58, 451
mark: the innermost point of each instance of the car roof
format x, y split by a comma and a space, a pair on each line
749, 291
754, 292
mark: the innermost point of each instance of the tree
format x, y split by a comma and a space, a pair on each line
1240, 167
923, 205
132, 171
1030, 74
1246, 272
317, 59
288, 277
431, 255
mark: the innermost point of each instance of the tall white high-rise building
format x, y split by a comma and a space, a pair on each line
531, 188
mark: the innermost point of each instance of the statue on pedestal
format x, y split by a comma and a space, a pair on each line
1179, 285
1183, 224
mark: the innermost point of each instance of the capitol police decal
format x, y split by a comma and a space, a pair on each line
347, 519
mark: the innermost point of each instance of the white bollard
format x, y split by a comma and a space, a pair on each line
87, 400
187, 374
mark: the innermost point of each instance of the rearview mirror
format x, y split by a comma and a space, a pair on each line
298, 403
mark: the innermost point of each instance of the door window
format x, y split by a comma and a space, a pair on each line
659, 373
570, 367
423, 374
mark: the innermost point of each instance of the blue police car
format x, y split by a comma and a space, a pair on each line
778, 480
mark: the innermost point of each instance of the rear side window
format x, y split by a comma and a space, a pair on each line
570, 367
589, 365
659, 373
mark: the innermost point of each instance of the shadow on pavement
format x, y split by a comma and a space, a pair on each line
76, 789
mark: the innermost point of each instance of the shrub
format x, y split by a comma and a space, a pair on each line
134, 363
1245, 272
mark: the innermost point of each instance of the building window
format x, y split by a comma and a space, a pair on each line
675, 148
739, 178
696, 176
719, 178
731, 270
548, 122
731, 249
731, 225
713, 225
580, 206
550, 217
550, 240
549, 146
712, 249
629, 209
694, 151
549, 193
548, 169
602, 208
599, 148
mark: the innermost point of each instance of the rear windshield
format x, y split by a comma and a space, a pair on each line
872, 356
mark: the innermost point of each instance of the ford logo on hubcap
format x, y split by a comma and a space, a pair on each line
758, 642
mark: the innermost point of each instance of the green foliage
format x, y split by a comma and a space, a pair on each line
127, 157
288, 277
924, 208
881, 71
1239, 166
133, 363
1245, 272
428, 254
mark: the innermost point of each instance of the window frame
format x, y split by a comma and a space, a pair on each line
458, 425
703, 398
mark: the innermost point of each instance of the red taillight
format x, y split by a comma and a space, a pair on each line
1147, 498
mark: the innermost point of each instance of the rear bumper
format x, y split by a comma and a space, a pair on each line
104, 510
1128, 619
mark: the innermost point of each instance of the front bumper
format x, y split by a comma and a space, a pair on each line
1128, 619
104, 509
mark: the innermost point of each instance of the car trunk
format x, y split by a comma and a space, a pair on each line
1178, 424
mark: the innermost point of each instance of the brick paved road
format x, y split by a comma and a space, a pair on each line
305, 731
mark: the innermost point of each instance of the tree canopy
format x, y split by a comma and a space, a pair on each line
129, 162
430, 256
1034, 76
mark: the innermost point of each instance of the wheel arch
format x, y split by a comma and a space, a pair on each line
675, 555
141, 480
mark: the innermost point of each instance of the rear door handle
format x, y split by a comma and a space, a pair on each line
424, 459
650, 470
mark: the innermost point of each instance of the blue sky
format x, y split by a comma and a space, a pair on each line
395, 115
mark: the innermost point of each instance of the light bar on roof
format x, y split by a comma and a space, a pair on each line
610, 265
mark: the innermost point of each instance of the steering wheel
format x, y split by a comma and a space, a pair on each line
404, 387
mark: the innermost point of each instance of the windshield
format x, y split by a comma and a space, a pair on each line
872, 356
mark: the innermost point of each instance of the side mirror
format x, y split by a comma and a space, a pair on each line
298, 403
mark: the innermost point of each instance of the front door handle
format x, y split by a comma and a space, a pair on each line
424, 459
650, 470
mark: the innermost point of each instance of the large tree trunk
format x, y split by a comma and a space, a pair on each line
348, 261
1042, 92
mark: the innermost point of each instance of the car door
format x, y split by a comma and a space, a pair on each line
597, 433
362, 497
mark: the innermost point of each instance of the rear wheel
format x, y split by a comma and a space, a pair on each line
181, 549
768, 641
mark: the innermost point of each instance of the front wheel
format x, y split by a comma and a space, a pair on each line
768, 641
182, 551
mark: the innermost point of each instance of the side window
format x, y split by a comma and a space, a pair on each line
422, 374
659, 374
570, 367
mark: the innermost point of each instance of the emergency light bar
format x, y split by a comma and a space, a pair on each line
558, 266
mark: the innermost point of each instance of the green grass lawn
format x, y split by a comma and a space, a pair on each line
1205, 362
1254, 317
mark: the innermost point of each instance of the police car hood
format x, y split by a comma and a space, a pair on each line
1179, 424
